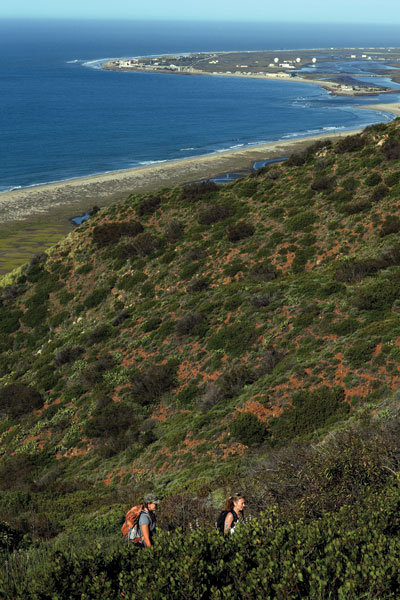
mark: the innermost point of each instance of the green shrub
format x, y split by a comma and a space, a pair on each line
333, 287
110, 233
18, 399
96, 297
235, 339
390, 225
233, 379
373, 179
188, 324
247, 429
301, 221
264, 271
198, 284
234, 267
391, 148
65, 297
345, 327
350, 184
148, 206
58, 318
355, 207
173, 231
360, 353
9, 320
205, 190
377, 295
379, 193
67, 355
323, 183
100, 333
240, 231
189, 270
144, 244
84, 269
152, 381
246, 187
392, 179
213, 213
350, 143
311, 410
109, 419
151, 324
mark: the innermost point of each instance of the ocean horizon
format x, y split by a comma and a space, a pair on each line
63, 117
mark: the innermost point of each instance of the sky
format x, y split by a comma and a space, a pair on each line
310, 11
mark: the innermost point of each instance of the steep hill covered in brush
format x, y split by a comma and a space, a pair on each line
176, 337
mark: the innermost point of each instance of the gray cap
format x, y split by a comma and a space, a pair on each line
150, 498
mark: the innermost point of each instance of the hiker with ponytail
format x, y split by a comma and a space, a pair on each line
232, 514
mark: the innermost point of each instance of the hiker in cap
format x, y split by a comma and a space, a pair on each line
147, 521
232, 515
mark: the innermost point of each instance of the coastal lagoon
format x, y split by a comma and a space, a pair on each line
62, 117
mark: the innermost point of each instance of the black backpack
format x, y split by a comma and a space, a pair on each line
221, 519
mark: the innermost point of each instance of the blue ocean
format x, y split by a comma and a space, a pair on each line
61, 116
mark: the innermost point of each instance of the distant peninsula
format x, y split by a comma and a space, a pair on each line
303, 66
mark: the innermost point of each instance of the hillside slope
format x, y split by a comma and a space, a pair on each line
174, 338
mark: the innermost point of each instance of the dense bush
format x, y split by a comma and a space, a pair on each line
109, 420
350, 554
322, 183
18, 399
233, 379
198, 284
58, 318
9, 320
264, 271
377, 295
247, 429
353, 269
188, 323
311, 410
392, 179
195, 192
301, 221
353, 208
391, 148
98, 334
144, 244
235, 339
152, 381
148, 206
110, 233
173, 231
96, 297
240, 231
361, 352
373, 179
379, 193
67, 354
213, 213
350, 143
390, 225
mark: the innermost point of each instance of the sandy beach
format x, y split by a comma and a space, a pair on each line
33, 219
68, 198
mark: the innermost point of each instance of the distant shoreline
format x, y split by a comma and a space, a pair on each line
72, 196
39, 216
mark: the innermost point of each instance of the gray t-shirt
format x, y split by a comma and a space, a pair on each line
145, 519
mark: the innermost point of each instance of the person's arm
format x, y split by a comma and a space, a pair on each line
228, 522
146, 534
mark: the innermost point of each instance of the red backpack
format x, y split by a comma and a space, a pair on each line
129, 528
